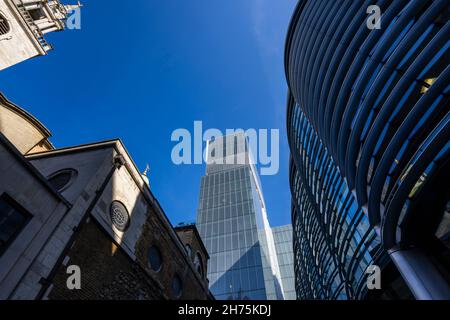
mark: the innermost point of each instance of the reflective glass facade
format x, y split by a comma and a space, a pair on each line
368, 122
282, 237
233, 224
333, 243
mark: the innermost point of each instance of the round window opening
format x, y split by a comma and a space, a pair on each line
154, 258
177, 286
119, 216
62, 179
4, 25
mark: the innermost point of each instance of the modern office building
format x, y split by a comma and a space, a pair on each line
282, 236
369, 131
24, 24
232, 222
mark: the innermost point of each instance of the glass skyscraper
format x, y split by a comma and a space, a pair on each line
282, 237
368, 126
233, 224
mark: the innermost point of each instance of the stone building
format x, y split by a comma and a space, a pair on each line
23, 26
86, 207
189, 235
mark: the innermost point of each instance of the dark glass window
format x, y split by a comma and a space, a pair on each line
13, 219
4, 25
154, 258
177, 286
119, 216
62, 179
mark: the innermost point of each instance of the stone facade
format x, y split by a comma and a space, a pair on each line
24, 24
22, 129
194, 245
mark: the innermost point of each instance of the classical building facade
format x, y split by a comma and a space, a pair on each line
369, 130
233, 224
23, 26
86, 207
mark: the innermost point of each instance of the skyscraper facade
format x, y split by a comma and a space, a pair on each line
232, 222
282, 236
369, 129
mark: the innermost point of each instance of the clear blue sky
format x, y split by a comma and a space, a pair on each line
139, 69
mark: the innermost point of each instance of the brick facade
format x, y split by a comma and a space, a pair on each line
190, 237
108, 273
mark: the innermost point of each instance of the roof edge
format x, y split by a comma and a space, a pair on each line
25, 114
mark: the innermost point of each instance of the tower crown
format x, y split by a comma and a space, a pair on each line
24, 24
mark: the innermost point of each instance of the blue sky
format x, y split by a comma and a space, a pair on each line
137, 70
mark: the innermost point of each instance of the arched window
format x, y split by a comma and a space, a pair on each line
62, 179
155, 259
4, 25
198, 263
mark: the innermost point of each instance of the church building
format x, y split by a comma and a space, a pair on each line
24, 24
81, 222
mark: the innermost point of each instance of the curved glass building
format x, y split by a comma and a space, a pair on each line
368, 120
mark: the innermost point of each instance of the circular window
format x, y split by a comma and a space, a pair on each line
177, 286
4, 25
154, 258
119, 216
62, 179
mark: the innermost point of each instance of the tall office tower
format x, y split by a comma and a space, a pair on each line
233, 224
369, 131
282, 236
23, 26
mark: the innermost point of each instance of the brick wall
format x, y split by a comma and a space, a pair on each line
174, 261
189, 235
107, 272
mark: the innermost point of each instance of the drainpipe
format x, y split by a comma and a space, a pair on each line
118, 162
